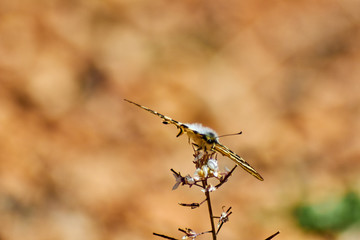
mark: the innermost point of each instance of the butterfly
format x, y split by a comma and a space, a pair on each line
205, 138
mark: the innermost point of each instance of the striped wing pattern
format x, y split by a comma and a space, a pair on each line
218, 147
182, 127
237, 159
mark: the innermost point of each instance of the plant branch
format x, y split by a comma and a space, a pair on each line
164, 236
207, 194
272, 236
226, 177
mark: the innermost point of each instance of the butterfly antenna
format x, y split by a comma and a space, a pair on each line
231, 134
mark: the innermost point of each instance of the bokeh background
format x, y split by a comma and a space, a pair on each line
77, 162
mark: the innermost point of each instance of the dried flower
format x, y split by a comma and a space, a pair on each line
209, 188
188, 180
224, 216
178, 179
189, 233
213, 166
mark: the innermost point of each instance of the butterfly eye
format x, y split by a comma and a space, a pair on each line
209, 140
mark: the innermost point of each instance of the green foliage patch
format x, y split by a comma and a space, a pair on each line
329, 216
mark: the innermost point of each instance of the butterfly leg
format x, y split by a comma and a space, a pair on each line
194, 145
180, 132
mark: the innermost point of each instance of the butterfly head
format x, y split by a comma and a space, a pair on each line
210, 137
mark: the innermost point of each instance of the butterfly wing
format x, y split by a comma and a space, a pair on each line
237, 159
166, 120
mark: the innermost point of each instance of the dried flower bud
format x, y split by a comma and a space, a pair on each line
189, 180
212, 164
209, 188
224, 216
189, 233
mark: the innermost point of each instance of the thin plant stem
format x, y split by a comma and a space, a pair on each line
164, 236
207, 194
272, 236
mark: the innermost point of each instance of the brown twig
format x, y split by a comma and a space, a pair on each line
272, 236
207, 194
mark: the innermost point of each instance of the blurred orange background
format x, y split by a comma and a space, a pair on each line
77, 162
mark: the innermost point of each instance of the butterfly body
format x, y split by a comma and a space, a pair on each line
204, 138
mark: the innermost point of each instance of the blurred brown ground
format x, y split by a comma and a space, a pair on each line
77, 162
